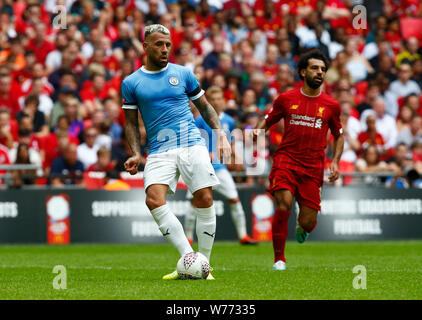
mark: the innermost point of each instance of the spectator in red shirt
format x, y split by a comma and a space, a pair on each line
270, 21
39, 44
8, 129
270, 65
97, 89
103, 163
4, 158
204, 16
105, 23
241, 8
192, 34
8, 98
109, 61
37, 71
25, 23
284, 79
54, 144
126, 68
372, 137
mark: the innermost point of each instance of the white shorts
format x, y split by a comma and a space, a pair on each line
227, 187
192, 163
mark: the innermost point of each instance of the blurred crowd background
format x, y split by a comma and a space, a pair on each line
62, 64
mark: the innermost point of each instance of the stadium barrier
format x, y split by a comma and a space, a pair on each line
77, 215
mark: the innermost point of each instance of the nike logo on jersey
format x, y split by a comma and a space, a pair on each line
209, 234
167, 232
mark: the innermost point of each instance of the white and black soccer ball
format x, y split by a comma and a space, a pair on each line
193, 266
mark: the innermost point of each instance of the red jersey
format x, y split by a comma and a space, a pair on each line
4, 158
365, 140
306, 123
41, 51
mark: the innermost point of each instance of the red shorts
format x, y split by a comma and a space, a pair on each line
306, 189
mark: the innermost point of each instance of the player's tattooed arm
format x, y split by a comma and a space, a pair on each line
133, 138
207, 112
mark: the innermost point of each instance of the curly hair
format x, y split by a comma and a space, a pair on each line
311, 54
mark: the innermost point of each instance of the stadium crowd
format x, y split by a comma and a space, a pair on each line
62, 64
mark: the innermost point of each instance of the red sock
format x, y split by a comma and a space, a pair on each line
279, 233
310, 230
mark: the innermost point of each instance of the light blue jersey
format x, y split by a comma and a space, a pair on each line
163, 99
227, 123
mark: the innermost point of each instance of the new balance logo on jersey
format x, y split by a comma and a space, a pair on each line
167, 232
209, 234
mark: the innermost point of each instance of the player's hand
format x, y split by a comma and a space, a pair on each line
224, 149
335, 174
132, 164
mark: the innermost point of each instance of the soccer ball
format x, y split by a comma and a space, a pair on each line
194, 266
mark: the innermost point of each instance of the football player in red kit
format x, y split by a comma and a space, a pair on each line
298, 165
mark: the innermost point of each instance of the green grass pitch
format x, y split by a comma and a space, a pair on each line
316, 270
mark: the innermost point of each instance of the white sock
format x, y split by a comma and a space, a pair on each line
171, 228
205, 229
239, 219
190, 219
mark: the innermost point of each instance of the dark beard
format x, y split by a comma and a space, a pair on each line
159, 64
312, 84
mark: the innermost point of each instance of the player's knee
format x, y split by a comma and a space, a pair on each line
233, 201
284, 206
154, 202
307, 222
203, 200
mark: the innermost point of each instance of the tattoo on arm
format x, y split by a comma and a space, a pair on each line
132, 130
207, 112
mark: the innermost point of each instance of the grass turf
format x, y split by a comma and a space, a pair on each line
316, 270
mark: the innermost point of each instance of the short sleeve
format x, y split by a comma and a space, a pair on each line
193, 89
128, 98
334, 122
276, 113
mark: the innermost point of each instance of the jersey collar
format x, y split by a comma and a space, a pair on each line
310, 96
156, 71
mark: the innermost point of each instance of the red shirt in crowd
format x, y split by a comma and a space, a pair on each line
50, 145
365, 140
4, 157
269, 26
10, 102
13, 129
42, 50
88, 93
96, 167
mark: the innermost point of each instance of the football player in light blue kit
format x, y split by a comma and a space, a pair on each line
227, 187
161, 91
